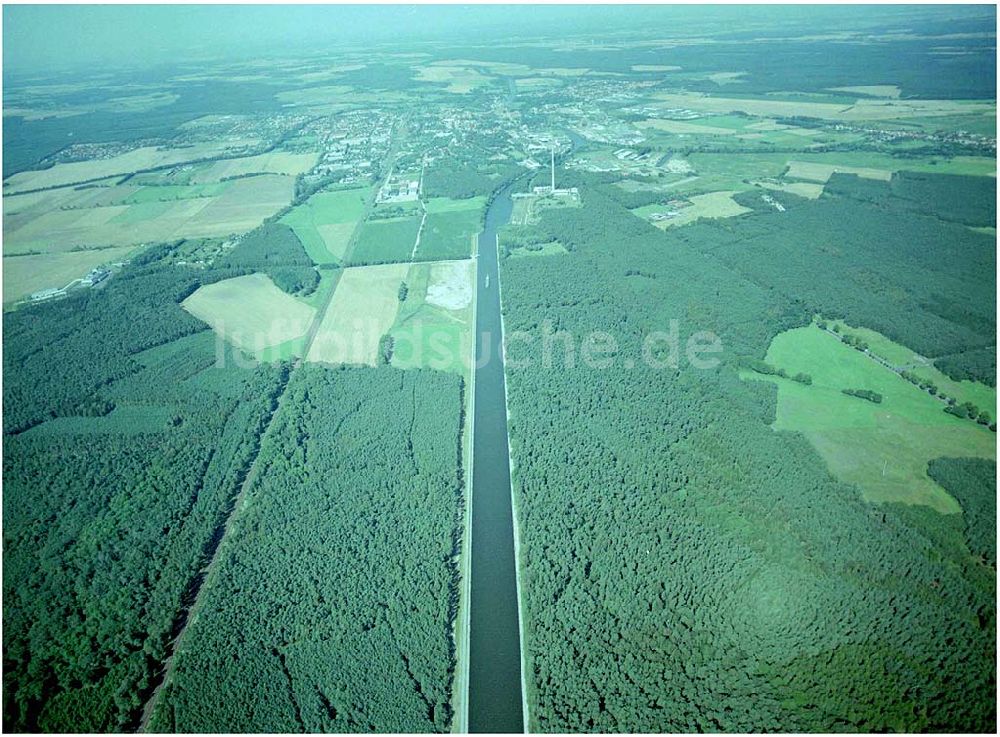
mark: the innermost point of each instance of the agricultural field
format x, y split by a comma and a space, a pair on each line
250, 312
901, 357
861, 110
384, 241
276, 162
450, 228
448, 235
434, 325
884, 448
820, 172
326, 221
458, 79
146, 157
67, 222
363, 309
23, 275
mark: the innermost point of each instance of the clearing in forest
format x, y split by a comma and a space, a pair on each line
434, 326
710, 205
460, 80
363, 308
251, 312
883, 447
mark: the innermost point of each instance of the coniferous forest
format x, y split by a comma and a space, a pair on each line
333, 604
687, 568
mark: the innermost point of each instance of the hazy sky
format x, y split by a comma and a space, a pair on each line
42, 37
39, 38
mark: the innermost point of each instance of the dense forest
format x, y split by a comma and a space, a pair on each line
685, 567
463, 180
106, 523
333, 604
127, 436
275, 250
920, 280
973, 482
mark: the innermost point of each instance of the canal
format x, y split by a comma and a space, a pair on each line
495, 703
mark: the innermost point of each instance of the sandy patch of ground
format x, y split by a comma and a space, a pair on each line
450, 285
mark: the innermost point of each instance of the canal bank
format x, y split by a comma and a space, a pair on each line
495, 700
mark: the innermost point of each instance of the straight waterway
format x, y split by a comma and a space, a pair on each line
495, 698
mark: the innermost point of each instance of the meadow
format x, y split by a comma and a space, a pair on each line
384, 241
901, 357
23, 275
146, 157
449, 229
709, 205
275, 162
862, 110
326, 221
66, 221
884, 448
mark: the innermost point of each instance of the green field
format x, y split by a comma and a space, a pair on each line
446, 204
448, 235
433, 328
883, 448
324, 223
173, 192
709, 205
383, 241
984, 397
720, 171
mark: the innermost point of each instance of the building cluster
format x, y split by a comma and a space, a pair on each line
93, 278
351, 144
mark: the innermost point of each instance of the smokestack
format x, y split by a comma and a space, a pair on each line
552, 152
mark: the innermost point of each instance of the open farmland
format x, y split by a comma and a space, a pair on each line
23, 275
433, 328
325, 222
821, 172
239, 206
459, 80
363, 308
861, 110
147, 157
250, 312
276, 162
449, 229
383, 241
884, 448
